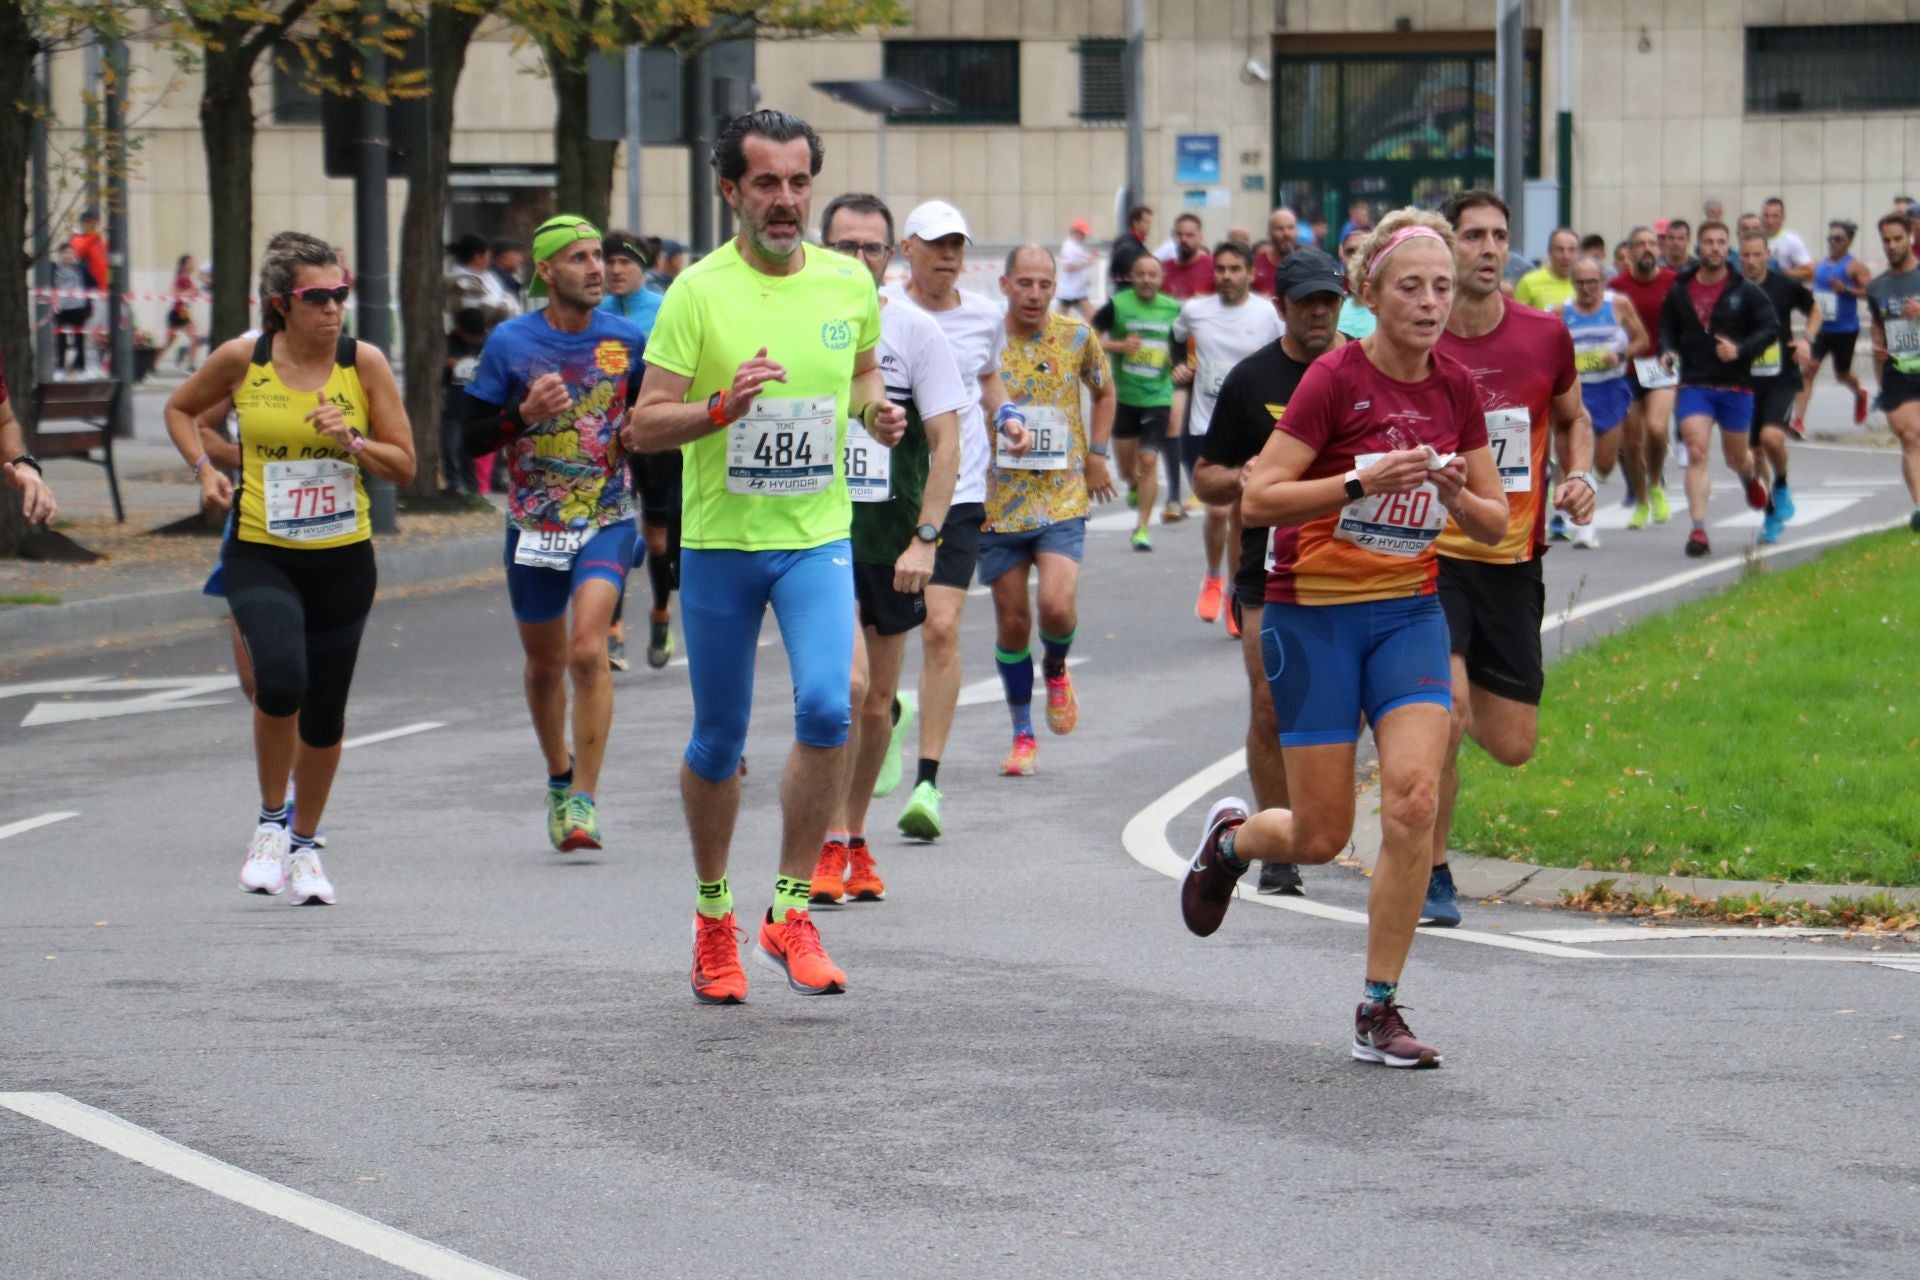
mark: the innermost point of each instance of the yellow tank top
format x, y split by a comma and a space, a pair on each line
297, 488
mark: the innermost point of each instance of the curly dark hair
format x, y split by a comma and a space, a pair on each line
729, 149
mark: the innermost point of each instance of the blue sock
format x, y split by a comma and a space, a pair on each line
1016, 677
562, 781
1381, 992
1055, 662
585, 795
279, 817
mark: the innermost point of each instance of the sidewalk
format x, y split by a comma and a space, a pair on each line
149, 583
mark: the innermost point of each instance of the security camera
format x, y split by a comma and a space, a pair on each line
1255, 70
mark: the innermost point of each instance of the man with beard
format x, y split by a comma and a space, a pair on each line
1894, 300
762, 352
1643, 455
1310, 287
1283, 236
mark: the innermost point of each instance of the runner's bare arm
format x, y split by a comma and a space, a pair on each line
1106, 402
1470, 489
1276, 495
211, 385
1573, 445
1637, 341
661, 419
388, 452
213, 437
36, 499
886, 422
913, 569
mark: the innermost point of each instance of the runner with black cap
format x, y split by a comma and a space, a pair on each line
551, 390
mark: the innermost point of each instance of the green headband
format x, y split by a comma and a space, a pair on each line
553, 235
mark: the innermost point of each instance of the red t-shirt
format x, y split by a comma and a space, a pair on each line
1647, 296
1190, 279
1519, 368
1379, 548
1705, 297
1266, 268
92, 250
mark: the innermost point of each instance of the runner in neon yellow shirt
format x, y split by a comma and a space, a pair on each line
761, 353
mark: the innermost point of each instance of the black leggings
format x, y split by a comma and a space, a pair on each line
301, 614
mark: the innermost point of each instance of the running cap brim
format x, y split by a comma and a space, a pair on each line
553, 235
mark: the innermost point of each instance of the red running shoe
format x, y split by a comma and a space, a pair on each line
793, 947
1756, 493
1380, 1035
1860, 405
717, 975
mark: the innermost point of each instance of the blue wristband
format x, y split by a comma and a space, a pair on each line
1008, 412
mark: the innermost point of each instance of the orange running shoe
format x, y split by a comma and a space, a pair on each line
1208, 607
793, 947
717, 975
1019, 762
1233, 617
863, 879
1063, 709
829, 887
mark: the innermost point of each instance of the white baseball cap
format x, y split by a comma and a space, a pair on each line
934, 219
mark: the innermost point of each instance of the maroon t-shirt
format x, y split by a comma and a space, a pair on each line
1705, 297
1189, 279
1647, 296
1266, 268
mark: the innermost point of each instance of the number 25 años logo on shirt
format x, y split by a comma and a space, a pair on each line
836, 335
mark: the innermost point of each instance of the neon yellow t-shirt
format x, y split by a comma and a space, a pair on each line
1542, 290
773, 480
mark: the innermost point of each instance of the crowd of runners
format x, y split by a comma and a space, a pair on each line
1381, 446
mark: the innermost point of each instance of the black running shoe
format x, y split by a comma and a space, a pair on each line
1281, 877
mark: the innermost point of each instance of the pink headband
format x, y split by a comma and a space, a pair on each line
1397, 239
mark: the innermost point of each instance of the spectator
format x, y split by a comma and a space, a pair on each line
71, 309
91, 248
507, 259
186, 290
1075, 268
1130, 248
470, 284
469, 335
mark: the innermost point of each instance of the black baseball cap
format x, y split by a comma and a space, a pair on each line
1306, 272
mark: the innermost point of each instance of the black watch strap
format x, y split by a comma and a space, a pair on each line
1355, 490
927, 533
29, 460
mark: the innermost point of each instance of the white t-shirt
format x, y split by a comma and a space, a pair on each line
1222, 336
1788, 250
916, 364
976, 333
1075, 260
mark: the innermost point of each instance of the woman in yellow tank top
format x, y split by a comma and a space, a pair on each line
317, 412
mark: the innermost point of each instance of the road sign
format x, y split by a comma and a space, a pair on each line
660, 97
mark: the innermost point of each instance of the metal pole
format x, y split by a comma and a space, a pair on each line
372, 288
1509, 119
1136, 67
880, 155
1563, 130
634, 144
43, 245
699, 105
119, 332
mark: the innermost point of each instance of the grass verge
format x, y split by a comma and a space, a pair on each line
1769, 733
1874, 913
28, 597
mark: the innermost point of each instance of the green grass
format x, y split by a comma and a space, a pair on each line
28, 597
1768, 733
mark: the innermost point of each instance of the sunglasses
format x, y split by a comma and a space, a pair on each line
320, 295
871, 250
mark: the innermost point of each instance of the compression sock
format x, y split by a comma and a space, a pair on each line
278, 817
1016, 677
713, 898
1381, 992
1054, 665
929, 772
660, 575
789, 894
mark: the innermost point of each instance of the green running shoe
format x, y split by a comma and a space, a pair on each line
1142, 541
920, 820
582, 824
1657, 499
889, 777
659, 643
1641, 514
557, 817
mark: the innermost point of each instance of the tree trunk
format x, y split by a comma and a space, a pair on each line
226, 132
583, 168
422, 252
18, 49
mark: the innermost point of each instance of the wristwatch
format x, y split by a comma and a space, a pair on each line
717, 409
27, 459
1097, 450
928, 533
1585, 479
1355, 490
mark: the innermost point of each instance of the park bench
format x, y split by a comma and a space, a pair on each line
72, 419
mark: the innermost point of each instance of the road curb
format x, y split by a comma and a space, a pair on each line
1476, 876
41, 630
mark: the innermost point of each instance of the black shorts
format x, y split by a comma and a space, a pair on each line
1148, 426
1897, 388
1493, 615
958, 554
656, 482
1837, 345
887, 611
179, 319
1772, 404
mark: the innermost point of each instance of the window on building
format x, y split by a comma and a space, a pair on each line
981, 76
1103, 80
1862, 67
294, 100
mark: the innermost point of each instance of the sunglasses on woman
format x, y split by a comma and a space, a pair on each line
321, 295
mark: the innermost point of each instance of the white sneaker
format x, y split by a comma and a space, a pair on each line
1585, 535
309, 882
265, 870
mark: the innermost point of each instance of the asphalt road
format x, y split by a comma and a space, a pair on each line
1036, 1072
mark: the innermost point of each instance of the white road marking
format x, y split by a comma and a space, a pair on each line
1807, 510
34, 824
160, 695
1145, 838
343, 1226
1662, 933
981, 692
405, 730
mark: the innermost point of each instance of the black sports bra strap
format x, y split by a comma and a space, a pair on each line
263, 349
346, 351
